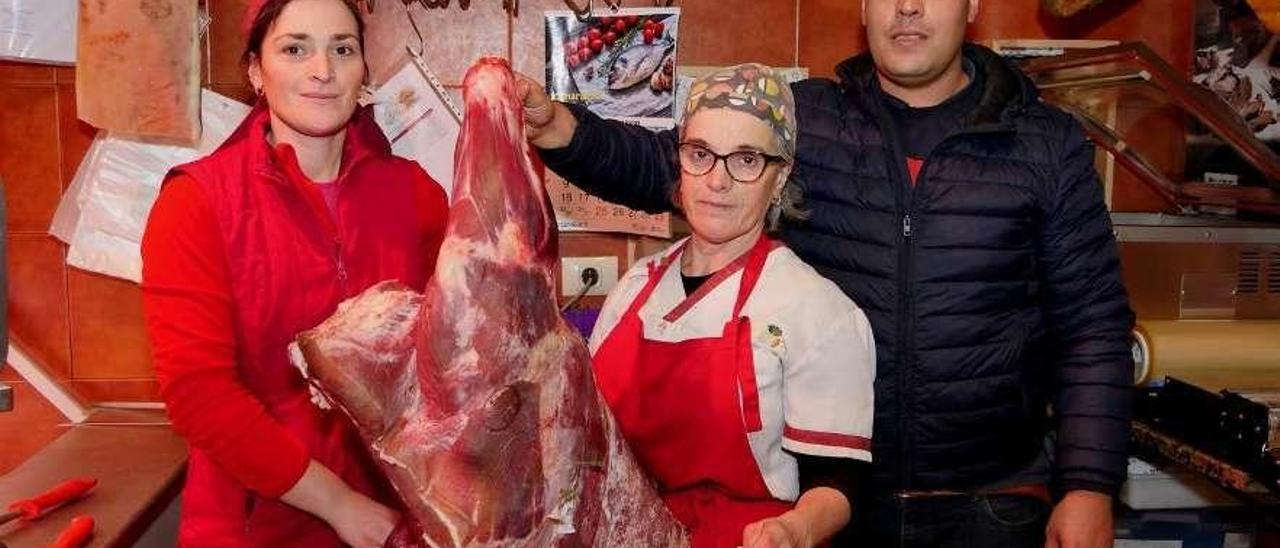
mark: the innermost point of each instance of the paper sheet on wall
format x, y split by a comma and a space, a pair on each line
617, 63
577, 211
103, 213
417, 116
621, 66
39, 31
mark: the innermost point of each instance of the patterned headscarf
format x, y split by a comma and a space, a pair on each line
752, 88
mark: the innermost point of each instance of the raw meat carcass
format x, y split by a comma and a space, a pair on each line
138, 68
476, 397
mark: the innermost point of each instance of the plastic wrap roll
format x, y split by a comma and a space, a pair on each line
1210, 354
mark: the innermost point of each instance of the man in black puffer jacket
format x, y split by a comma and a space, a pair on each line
965, 218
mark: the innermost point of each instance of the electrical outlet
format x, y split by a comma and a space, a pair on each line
571, 274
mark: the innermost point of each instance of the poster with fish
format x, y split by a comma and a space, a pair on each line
621, 64
419, 118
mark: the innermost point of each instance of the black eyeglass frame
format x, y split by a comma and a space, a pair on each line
718, 158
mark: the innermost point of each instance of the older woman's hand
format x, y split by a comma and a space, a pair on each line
776, 532
819, 513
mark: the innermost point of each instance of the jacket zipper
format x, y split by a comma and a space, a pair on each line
339, 249
332, 226
905, 335
339, 255
903, 194
341, 265
906, 317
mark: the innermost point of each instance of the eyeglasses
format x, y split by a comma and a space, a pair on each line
744, 166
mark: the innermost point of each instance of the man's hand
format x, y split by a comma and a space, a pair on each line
1081, 520
547, 124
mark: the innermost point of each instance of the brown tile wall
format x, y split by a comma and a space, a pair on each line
88, 328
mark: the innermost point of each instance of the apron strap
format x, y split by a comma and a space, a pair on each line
751, 272
739, 328
750, 275
655, 275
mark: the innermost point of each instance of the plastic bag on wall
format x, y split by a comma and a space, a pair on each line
41, 31
138, 68
105, 210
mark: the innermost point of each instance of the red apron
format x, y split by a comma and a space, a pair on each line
678, 407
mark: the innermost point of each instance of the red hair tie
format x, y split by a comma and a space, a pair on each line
250, 14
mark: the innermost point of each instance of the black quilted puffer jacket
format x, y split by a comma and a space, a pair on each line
992, 285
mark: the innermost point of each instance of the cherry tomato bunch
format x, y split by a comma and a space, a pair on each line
604, 32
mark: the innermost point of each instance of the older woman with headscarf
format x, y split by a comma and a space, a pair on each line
740, 377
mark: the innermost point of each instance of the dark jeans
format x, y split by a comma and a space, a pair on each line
948, 521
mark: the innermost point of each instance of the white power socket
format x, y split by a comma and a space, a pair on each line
571, 269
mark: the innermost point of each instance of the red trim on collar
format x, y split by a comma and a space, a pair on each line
716, 279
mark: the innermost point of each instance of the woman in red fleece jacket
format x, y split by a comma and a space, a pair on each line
302, 207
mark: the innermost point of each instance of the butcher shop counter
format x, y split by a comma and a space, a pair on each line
139, 463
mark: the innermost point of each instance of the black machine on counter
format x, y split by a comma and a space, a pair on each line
1232, 437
